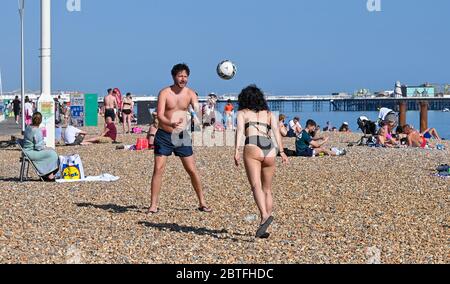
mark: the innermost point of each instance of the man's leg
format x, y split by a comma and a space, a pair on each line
191, 169
158, 172
434, 134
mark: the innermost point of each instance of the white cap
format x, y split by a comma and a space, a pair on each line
346, 123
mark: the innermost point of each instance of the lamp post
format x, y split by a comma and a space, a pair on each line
46, 104
22, 59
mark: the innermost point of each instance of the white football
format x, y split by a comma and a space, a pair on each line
226, 70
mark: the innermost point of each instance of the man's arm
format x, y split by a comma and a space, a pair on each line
316, 144
410, 141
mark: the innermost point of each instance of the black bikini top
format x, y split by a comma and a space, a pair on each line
257, 124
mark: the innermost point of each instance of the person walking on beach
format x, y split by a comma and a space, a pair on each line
172, 137
118, 95
258, 127
228, 113
16, 108
28, 111
111, 106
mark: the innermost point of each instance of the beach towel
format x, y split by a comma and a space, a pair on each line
101, 178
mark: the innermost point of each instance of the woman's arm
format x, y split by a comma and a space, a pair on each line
239, 136
278, 137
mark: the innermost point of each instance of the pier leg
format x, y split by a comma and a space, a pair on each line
423, 116
403, 110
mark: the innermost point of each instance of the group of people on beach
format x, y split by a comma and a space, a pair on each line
119, 109
258, 132
391, 134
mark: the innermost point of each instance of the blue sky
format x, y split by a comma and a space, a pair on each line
286, 46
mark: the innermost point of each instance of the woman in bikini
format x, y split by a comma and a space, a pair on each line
385, 138
127, 112
258, 127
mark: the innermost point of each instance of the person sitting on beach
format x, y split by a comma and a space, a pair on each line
108, 135
417, 139
328, 127
385, 138
295, 127
306, 146
388, 116
282, 126
73, 136
152, 131
345, 128
259, 128
46, 160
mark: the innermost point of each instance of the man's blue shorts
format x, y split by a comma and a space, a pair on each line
167, 143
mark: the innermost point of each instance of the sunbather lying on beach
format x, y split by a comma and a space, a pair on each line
108, 135
306, 146
420, 140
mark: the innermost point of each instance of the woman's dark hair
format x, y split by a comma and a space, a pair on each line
252, 98
229, 101
36, 120
180, 67
343, 128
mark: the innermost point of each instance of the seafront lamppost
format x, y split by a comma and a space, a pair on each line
22, 59
46, 104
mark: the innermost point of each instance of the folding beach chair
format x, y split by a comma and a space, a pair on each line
25, 163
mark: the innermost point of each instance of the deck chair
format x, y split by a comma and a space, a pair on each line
25, 163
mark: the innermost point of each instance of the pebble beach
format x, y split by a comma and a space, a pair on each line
373, 205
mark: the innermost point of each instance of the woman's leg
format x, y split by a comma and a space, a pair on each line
267, 173
124, 117
252, 163
129, 122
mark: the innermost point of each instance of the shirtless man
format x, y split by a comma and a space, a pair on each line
417, 139
172, 137
111, 106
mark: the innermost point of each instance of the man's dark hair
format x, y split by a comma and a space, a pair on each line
311, 122
297, 118
179, 68
109, 91
252, 98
